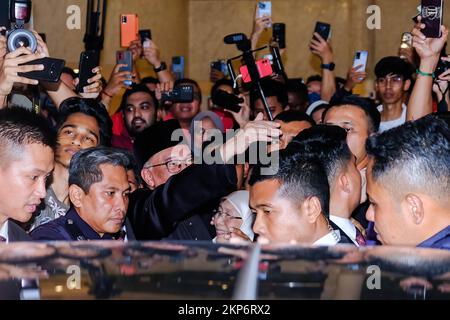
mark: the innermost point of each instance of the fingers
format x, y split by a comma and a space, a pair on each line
259, 116
29, 68
118, 66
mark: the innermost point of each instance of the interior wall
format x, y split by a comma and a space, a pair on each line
195, 29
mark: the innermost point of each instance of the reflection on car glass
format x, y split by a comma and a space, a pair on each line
305, 253
23, 252
78, 250
161, 248
410, 261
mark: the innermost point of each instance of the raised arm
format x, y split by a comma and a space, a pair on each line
324, 50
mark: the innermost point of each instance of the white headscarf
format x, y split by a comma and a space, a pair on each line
240, 200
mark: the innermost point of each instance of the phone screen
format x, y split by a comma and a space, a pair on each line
432, 18
264, 8
360, 59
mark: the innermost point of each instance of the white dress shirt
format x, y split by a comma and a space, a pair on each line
330, 239
347, 226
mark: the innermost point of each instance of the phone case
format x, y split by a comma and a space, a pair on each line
360, 59
178, 67
129, 27
145, 34
264, 69
125, 57
324, 29
51, 73
432, 17
279, 34
88, 61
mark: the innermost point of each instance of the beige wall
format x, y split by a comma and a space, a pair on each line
195, 29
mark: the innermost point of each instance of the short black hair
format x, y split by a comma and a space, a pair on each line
133, 165
271, 88
189, 81
366, 105
299, 177
221, 82
140, 87
413, 156
91, 108
20, 127
294, 115
84, 169
151, 80
394, 65
70, 72
315, 77
298, 87
328, 144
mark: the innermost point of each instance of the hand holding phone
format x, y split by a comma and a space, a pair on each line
323, 29
129, 27
88, 61
145, 34
360, 60
51, 72
126, 58
279, 34
264, 9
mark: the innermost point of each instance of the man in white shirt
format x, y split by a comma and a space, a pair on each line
328, 145
291, 204
392, 84
26, 161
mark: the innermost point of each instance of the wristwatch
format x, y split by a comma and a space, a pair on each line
329, 66
162, 67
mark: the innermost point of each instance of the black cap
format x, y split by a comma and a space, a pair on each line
154, 139
394, 65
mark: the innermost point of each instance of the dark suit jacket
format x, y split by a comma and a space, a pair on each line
16, 233
157, 214
345, 239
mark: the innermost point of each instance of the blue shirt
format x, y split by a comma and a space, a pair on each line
440, 240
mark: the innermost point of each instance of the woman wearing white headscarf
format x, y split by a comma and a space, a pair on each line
234, 218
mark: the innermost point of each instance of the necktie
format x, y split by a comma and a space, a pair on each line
360, 238
2, 239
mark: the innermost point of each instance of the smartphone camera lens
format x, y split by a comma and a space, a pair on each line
124, 19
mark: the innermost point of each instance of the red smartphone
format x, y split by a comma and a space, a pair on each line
264, 69
129, 29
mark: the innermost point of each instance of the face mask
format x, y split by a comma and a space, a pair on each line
313, 97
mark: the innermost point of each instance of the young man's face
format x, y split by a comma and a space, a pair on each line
105, 205
314, 87
185, 111
386, 212
275, 107
355, 122
139, 112
277, 219
23, 181
391, 88
80, 131
165, 164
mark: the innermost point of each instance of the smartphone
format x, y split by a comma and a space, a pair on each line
431, 13
51, 73
220, 65
279, 34
88, 61
324, 29
360, 59
179, 94
129, 27
264, 8
264, 69
178, 67
407, 40
145, 34
227, 100
125, 57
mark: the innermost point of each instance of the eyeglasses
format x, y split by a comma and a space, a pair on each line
394, 80
174, 166
224, 214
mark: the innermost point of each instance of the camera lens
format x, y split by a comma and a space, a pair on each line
21, 38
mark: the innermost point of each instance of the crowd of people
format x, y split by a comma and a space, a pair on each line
342, 169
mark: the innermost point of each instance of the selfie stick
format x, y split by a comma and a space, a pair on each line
95, 29
244, 45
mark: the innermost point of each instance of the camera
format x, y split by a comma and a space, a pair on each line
181, 93
18, 36
441, 67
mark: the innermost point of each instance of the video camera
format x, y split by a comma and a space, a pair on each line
17, 36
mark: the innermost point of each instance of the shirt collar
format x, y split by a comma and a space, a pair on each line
346, 225
88, 232
4, 231
330, 239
